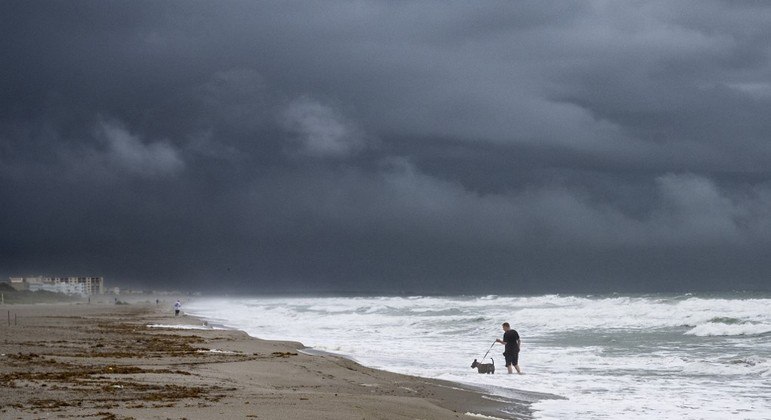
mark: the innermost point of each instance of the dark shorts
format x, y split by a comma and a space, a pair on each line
511, 358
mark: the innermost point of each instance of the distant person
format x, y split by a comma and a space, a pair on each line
511, 351
177, 307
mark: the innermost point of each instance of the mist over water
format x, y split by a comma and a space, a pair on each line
644, 357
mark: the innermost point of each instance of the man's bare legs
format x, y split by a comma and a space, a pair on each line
511, 369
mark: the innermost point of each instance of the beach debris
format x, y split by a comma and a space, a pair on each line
283, 354
23, 357
60, 366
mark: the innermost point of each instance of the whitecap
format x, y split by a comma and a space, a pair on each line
712, 329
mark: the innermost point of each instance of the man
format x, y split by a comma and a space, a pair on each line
511, 351
177, 307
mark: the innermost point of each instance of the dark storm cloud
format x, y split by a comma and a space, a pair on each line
389, 146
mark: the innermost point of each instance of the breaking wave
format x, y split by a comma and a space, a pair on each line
714, 329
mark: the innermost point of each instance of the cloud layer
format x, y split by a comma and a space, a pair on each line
388, 146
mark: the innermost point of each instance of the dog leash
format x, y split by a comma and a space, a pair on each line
488, 351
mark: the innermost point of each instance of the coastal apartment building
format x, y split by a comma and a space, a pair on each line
85, 286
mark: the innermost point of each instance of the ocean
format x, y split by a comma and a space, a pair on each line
609, 357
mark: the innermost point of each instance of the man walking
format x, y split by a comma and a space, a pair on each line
177, 307
511, 351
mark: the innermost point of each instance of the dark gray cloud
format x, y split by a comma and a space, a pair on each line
388, 146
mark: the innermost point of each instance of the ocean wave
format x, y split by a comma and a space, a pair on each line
747, 361
713, 329
727, 320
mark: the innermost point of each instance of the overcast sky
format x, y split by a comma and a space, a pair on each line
477, 147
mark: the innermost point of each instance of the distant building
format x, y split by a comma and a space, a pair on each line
85, 286
17, 283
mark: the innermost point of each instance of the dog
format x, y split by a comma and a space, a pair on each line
484, 367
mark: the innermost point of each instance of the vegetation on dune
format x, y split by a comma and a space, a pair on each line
11, 295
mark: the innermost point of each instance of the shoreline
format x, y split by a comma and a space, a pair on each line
99, 359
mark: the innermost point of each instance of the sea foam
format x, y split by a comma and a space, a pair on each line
711, 329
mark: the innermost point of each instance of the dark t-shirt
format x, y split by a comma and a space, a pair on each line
511, 337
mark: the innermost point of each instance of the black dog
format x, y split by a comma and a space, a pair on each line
484, 367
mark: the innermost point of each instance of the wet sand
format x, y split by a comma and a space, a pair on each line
105, 361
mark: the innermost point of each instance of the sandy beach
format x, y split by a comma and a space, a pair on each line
139, 361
